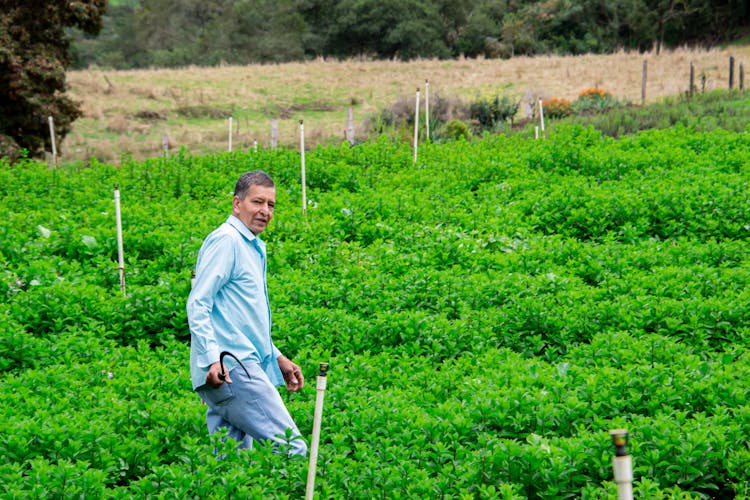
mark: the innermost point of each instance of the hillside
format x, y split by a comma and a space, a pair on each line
129, 112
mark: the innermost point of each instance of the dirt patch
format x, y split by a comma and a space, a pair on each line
202, 112
151, 115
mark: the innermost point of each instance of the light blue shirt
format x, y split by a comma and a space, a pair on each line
228, 306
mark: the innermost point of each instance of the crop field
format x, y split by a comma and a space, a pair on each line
489, 313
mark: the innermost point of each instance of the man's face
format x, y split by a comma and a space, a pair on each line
256, 210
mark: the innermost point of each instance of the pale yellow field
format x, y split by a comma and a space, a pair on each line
319, 92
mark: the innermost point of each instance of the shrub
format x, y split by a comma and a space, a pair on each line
557, 108
492, 111
594, 100
455, 129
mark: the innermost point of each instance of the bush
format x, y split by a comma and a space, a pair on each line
557, 108
455, 129
595, 100
492, 111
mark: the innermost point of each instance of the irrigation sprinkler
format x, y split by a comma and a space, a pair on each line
302, 165
320, 387
120, 256
622, 464
416, 126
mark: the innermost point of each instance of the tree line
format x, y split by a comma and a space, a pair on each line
173, 33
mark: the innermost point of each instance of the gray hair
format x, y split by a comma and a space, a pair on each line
253, 178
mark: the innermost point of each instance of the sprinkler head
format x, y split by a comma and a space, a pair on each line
620, 441
323, 370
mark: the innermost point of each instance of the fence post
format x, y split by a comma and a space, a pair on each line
742, 77
274, 133
692, 79
731, 72
350, 126
643, 82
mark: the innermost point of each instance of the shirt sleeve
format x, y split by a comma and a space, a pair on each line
213, 270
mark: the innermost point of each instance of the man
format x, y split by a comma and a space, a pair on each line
228, 310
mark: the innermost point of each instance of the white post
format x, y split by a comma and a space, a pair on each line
416, 127
427, 110
52, 138
230, 135
302, 161
536, 132
255, 146
120, 256
350, 125
320, 387
541, 115
622, 465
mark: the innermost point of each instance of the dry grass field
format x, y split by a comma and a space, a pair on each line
129, 112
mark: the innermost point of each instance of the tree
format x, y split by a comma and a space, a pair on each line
34, 53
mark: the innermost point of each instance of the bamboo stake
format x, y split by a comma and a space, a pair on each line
320, 388
302, 162
416, 127
120, 254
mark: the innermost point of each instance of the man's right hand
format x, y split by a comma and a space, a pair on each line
213, 379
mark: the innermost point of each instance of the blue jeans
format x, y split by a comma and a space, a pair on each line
250, 408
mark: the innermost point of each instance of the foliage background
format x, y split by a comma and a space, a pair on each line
171, 33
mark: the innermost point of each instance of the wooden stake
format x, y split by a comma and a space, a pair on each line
643, 82
731, 72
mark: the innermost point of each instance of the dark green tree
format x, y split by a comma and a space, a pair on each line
403, 29
34, 54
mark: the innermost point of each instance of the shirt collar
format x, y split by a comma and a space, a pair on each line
244, 231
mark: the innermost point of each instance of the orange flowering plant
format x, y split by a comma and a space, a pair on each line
557, 107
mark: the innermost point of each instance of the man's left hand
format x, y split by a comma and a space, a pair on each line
292, 374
